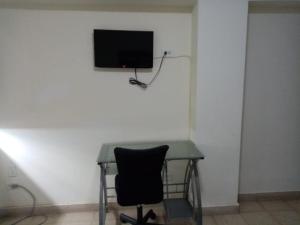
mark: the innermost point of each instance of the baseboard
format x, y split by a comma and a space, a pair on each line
285, 196
51, 209
58, 209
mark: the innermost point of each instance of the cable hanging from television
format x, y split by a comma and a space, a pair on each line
136, 81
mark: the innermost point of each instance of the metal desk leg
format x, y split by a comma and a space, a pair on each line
198, 193
167, 179
105, 190
187, 179
102, 211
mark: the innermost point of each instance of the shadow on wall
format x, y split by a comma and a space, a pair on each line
16, 200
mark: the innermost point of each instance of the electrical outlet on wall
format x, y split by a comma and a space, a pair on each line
166, 53
169, 52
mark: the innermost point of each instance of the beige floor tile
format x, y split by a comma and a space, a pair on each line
209, 220
27, 221
111, 216
113, 219
108, 222
259, 218
276, 205
294, 204
76, 223
9, 220
55, 223
77, 217
54, 219
235, 219
159, 220
250, 206
115, 214
287, 217
180, 222
252, 213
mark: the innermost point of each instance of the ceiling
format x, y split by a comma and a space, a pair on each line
101, 4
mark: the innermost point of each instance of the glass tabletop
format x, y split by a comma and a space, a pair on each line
178, 150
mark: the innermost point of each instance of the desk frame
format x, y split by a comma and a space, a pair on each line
191, 172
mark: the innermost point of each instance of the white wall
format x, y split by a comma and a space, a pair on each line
222, 27
194, 71
271, 130
56, 110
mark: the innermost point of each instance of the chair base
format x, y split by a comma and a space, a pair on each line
141, 220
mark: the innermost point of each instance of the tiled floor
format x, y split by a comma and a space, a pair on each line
251, 213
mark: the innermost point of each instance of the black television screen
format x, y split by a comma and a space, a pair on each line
123, 49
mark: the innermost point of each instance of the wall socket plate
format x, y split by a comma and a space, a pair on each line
169, 52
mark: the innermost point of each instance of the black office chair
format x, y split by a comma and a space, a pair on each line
139, 180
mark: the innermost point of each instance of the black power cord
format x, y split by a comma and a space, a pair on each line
31, 213
135, 81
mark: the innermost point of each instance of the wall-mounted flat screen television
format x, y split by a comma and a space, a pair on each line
123, 49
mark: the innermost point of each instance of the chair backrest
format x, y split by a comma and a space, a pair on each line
139, 178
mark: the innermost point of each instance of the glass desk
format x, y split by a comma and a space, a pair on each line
178, 150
